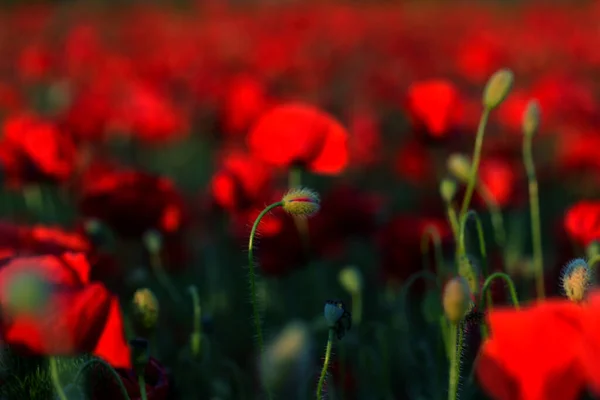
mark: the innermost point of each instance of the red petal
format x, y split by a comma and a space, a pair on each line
112, 346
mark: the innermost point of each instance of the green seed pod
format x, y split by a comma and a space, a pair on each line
459, 166
531, 118
497, 88
448, 189
145, 309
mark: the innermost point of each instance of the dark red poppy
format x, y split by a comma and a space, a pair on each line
240, 182
34, 63
499, 178
582, 222
414, 163
131, 202
78, 316
299, 134
157, 384
365, 137
434, 106
33, 150
544, 352
245, 100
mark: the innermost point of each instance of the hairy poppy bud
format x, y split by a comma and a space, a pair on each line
576, 279
301, 202
459, 165
531, 118
338, 318
351, 280
153, 241
145, 311
456, 299
497, 88
448, 190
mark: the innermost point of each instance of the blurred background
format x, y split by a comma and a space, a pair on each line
141, 135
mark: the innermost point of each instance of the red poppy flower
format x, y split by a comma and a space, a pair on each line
499, 178
365, 138
131, 202
77, 317
434, 106
240, 182
582, 222
245, 100
413, 163
544, 352
300, 134
33, 150
157, 384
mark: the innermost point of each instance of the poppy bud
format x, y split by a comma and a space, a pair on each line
145, 311
497, 88
576, 279
448, 190
338, 318
456, 299
459, 165
153, 241
140, 355
301, 202
531, 118
351, 280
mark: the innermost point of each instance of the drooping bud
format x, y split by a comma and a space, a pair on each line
351, 280
459, 166
145, 309
497, 88
448, 189
576, 279
301, 202
456, 300
531, 118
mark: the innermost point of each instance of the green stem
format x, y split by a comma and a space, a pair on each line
495, 215
592, 261
109, 368
485, 290
431, 232
142, 383
456, 336
356, 308
453, 218
447, 345
475, 162
536, 224
461, 241
55, 379
325, 364
252, 277
196, 338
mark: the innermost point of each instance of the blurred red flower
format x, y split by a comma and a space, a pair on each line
33, 150
547, 351
131, 202
299, 134
78, 316
245, 100
582, 222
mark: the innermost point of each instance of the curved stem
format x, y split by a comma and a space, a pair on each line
536, 223
475, 161
142, 383
109, 368
423, 274
495, 215
432, 232
55, 379
484, 290
326, 362
456, 335
252, 277
196, 338
462, 245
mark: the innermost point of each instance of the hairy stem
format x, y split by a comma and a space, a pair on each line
536, 224
475, 161
55, 379
252, 278
456, 336
326, 362
109, 368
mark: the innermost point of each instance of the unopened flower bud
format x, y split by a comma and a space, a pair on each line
153, 241
497, 88
576, 279
448, 189
531, 118
145, 311
456, 299
351, 280
459, 166
337, 317
301, 202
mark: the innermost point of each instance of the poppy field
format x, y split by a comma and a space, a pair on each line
365, 200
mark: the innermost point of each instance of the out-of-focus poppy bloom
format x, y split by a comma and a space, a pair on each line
131, 202
498, 177
77, 316
414, 163
245, 100
582, 222
434, 106
157, 384
544, 352
33, 150
34, 63
365, 138
240, 182
299, 134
